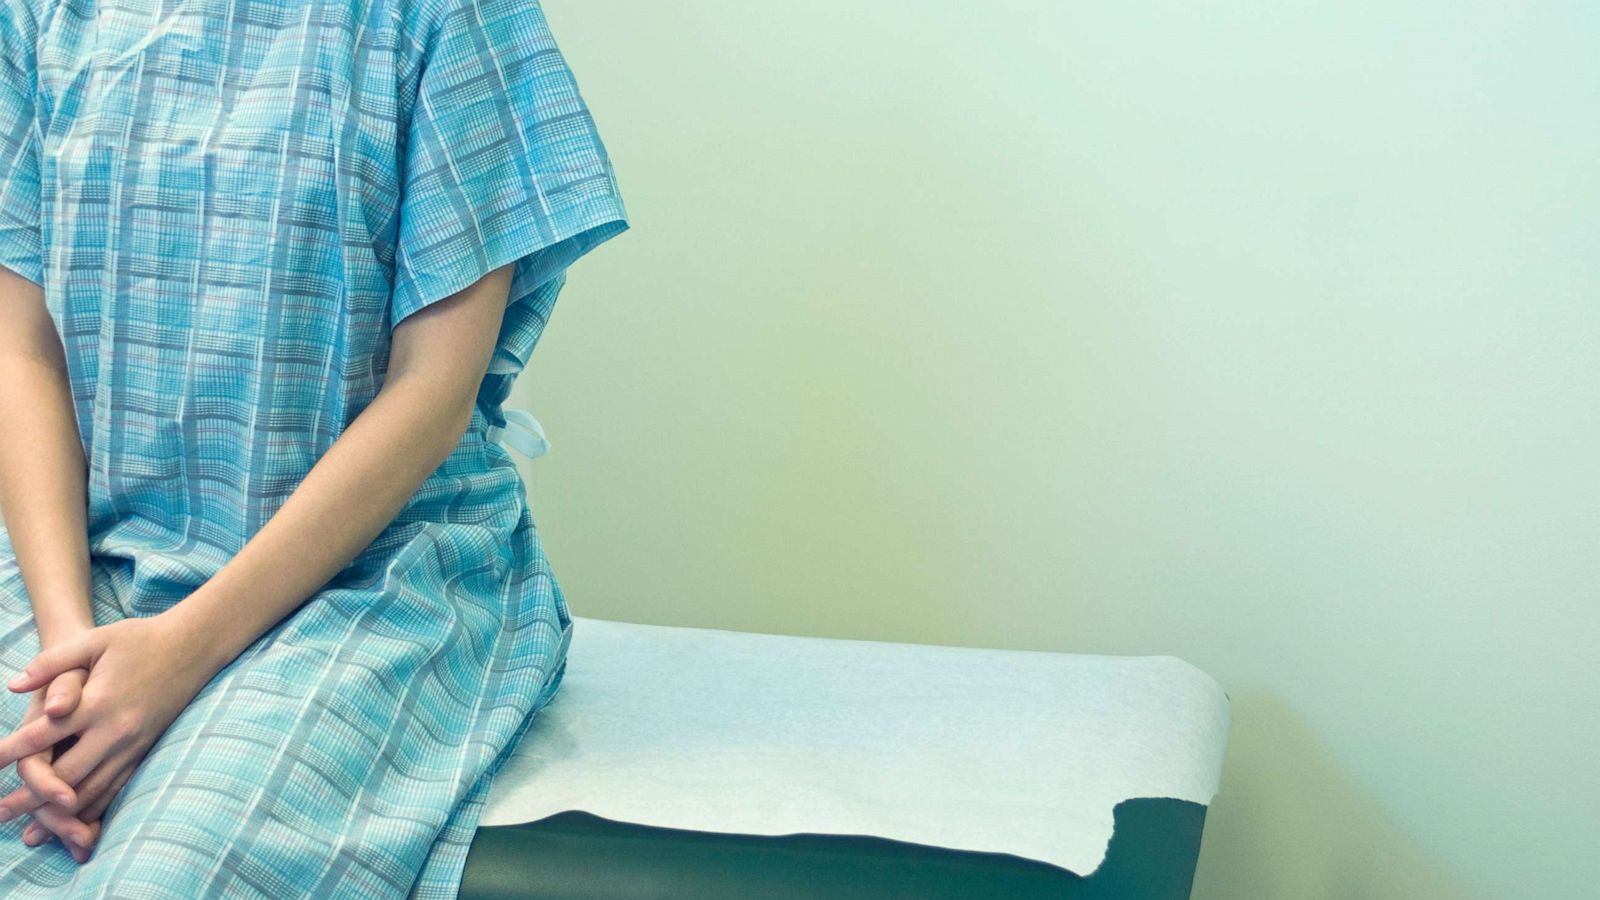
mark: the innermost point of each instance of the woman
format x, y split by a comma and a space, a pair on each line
267, 272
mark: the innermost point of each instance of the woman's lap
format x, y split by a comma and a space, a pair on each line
311, 765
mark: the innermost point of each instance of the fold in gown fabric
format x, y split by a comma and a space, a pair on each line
230, 204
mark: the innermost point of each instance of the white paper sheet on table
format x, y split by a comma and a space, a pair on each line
1014, 751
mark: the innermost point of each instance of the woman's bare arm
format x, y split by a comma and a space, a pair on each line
143, 671
42, 469
437, 363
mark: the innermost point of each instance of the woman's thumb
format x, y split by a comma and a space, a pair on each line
50, 663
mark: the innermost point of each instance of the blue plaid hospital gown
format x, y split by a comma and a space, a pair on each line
229, 205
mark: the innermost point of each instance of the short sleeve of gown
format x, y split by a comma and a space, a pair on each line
21, 247
501, 163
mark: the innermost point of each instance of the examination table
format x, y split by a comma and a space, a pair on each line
710, 764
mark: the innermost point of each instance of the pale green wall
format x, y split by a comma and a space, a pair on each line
1264, 335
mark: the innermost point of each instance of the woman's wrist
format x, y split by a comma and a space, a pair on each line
211, 638
63, 621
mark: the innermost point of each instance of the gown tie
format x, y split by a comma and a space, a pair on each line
522, 433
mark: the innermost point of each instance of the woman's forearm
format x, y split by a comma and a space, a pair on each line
355, 490
42, 469
352, 493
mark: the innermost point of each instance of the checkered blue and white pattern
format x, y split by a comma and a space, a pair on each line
230, 204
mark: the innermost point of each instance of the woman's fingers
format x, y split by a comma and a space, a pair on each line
18, 802
47, 780
64, 825
36, 834
40, 784
37, 735
97, 806
95, 829
78, 653
100, 788
91, 786
53, 819
64, 692
93, 750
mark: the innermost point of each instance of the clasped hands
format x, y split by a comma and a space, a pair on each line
101, 699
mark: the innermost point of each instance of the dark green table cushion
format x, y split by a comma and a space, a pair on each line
578, 856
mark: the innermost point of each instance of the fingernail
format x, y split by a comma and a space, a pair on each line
7, 815
17, 680
64, 799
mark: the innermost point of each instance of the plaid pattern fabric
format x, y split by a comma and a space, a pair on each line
229, 206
